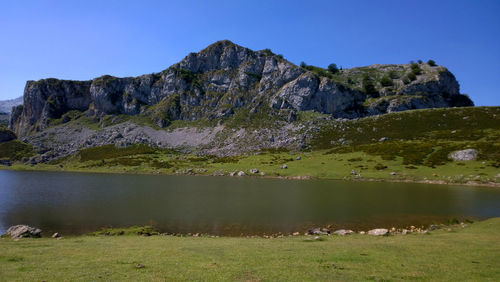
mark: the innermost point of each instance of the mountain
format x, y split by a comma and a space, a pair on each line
225, 78
6, 105
224, 100
6, 108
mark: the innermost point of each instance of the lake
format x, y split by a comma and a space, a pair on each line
76, 203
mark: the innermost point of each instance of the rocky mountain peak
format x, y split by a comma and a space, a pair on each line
225, 78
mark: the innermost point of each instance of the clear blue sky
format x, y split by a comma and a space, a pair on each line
84, 39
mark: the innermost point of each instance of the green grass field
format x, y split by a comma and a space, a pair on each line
456, 254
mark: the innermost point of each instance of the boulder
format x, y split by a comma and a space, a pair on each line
318, 231
254, 170
343, 232
241, 173
23, 231
378, 232
284, 166
464, 155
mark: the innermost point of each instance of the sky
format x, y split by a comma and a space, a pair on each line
80, 40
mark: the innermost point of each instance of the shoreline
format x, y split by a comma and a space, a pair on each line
54, 168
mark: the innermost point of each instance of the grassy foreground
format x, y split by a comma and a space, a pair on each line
471, 253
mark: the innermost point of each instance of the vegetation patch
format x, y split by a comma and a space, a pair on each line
111, 151
133, 230
15, 150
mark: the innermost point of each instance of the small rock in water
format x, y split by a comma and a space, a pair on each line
254, 170
241, 173
298, 158
295, 233
262, 173
383, 139
284, 166
232, 173
362, 232
393, 173
378, 232
56, 235
317, 238
139, 265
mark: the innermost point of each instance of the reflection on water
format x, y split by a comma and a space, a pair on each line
75, 203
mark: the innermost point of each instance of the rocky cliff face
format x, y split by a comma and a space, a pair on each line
226, 78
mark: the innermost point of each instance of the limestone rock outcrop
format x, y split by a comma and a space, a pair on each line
225, 78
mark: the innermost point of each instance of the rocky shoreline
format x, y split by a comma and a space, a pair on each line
259, 174
17, 232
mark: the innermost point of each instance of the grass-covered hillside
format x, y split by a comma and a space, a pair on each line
470, 253
404, 146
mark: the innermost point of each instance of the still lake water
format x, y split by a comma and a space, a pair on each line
76, 203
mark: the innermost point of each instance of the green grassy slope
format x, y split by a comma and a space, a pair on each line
417, 148
459, 254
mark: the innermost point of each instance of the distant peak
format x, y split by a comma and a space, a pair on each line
221, 44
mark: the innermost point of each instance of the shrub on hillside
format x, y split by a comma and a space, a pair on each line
368, 85
386, 81
333, 68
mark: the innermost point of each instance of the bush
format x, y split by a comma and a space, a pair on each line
280, 56
411, 76
303, 64
386, 81
419, 61
393, 74
380, 166
431, 63
268, 52
333, 68
415, 69
368, 85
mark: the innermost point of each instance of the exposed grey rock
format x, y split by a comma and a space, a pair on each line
343, 232
464, 155
283, 166
318, 231
23, 231
298, 158
378, 232
383, 139
241, 173
254, 170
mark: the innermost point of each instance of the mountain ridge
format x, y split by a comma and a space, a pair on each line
225, 78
